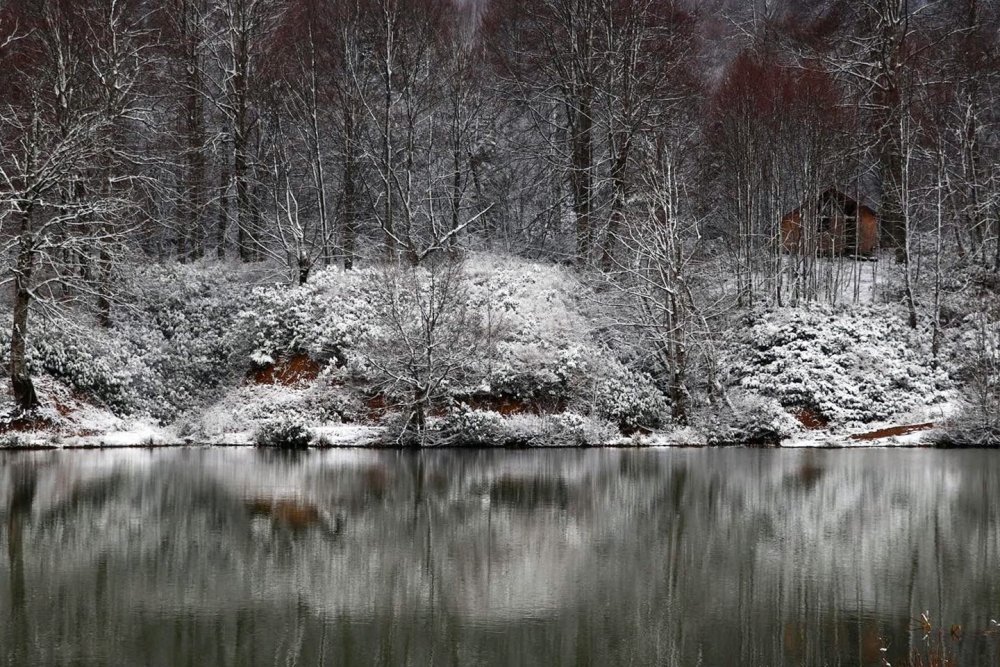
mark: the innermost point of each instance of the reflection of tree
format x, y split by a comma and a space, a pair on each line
22, 495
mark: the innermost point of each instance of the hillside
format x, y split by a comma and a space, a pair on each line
520, 354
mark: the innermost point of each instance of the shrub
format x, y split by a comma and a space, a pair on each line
978, 421
14, 441
750, 420
569, 429
184, 338
525, 430
535, 386
486, 428
472, 428
175, 348
324, 318
847, 365
631, 401
283, 434
90, 363
538, 347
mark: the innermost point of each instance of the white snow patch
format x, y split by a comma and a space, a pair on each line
136, 434
345, 435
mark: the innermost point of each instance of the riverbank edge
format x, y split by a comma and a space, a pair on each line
926, 426
372, 437
195, 445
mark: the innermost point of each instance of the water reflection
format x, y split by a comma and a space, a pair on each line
713, 557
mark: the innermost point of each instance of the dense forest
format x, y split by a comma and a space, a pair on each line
503, 221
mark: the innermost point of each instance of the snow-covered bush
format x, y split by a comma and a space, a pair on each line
169, 348
511, 379
186, 340
976, 359
486, 428
631, 401
283, 434
749, 420
430, 336
567, 429
325, 318
93, 362
848, 365
535, 372
245, 408
533, 342
570, 429
14, 440
472, 428
90, 363
186, 334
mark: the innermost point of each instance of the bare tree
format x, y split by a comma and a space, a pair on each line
429, 334
661, 277
645, 83
244, 27
120, 57
883, 43
187, 21
61, 186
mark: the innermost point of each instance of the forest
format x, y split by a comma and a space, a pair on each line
500, 222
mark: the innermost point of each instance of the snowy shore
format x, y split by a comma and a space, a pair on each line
917, 428
527, 357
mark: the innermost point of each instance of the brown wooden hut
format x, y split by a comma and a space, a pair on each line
837, 224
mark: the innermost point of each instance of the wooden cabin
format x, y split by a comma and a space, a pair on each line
835, 224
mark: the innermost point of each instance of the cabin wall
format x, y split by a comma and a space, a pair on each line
867, 232
833, 240
830, 241
838, 239
791, 232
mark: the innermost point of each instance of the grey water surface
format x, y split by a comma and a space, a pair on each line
564, 557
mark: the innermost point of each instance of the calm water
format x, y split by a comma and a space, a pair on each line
687, 557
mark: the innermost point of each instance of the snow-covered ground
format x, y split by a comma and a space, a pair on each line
935, 415
210, 357
235, 417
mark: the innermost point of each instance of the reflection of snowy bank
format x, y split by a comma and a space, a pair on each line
495, 537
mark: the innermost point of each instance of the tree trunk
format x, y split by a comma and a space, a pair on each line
678, 362
195, 204
304, 265
194, 134
418, 416
581, 175
456, 189
619, 193
890, 101
241, 119
387, 148
893, 223
243, 242
902, 254
20, 378
220, 230
939, 247
348, 231
104, 289
318, 168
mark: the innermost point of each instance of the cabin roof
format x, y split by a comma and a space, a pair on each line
842, 197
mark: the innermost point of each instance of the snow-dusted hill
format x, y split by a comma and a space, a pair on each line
523, 354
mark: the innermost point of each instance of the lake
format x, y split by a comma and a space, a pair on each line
204, 556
